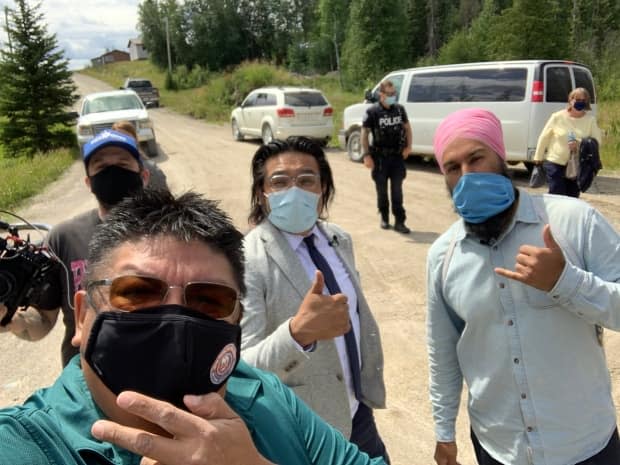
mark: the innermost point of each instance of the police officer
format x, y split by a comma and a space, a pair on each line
391, 145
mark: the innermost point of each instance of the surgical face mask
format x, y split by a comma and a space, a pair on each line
113, 183
293, 210
390, 100
479, 196
579, 106
165, 352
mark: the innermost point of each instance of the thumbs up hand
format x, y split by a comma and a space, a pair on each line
539, 267
320, 316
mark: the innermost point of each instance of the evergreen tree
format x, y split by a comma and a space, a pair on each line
377, 40
531, 29
36, 86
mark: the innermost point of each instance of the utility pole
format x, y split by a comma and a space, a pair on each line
168, 47
8, 32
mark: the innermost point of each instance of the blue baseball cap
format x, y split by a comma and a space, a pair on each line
108, 138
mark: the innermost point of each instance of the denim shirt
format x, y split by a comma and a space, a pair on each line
539, 388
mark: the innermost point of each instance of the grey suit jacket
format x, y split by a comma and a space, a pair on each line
276, 285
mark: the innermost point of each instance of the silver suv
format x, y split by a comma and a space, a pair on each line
279, 112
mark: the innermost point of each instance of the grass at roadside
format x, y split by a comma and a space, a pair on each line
609, 121
24, 177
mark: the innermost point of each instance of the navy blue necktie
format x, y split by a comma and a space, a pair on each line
334, 288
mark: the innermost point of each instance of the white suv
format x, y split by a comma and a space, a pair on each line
101, 110
279, 112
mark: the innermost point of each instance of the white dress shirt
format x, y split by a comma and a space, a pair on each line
346, 287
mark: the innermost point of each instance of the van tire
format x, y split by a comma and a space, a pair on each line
266, 134
354, 145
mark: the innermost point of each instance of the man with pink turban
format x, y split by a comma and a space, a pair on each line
519, 290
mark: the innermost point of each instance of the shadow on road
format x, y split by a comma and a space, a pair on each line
422, 237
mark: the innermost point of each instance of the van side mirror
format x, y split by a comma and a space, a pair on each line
369, 96
73, 114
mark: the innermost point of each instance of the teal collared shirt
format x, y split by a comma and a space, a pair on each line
53, 425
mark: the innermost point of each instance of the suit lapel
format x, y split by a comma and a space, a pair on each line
278, 248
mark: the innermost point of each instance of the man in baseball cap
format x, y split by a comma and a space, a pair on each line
114, 171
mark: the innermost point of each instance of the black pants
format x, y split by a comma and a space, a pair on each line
610, 455
556, 178
392, 168
364, 434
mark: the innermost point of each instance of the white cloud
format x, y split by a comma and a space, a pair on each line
86, 29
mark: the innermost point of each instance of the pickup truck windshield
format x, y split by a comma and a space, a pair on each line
112, 103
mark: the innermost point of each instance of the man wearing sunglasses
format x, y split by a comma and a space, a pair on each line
114, 170
305, 315
159, 380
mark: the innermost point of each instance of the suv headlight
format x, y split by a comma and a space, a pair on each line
85, 131
145, 124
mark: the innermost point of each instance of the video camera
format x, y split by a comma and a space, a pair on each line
26, 268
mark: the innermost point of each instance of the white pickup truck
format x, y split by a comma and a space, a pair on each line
101, 110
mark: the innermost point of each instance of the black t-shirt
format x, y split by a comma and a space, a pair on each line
69, 241
387, 126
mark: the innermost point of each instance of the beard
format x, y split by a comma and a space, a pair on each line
491, 229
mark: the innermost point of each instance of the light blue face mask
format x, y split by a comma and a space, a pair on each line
293, 210
479, 196
391, 100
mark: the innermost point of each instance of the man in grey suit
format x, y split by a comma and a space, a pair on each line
305, 315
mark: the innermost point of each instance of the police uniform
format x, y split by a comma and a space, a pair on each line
388, 141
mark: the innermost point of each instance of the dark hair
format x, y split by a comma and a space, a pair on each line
154, 213
276, 147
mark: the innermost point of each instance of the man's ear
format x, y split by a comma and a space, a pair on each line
80, 309
87, 182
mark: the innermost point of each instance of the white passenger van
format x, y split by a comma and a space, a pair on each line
522, 94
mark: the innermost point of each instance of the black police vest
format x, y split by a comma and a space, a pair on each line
388, 132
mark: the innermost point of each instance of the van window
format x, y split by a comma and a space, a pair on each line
480, 85
583, 79
557, 84
397, 80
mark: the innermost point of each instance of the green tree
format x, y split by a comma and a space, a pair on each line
152, 17
213, 33
531, 29
472, 44
332, 23
418, 24
376, 40
36, 86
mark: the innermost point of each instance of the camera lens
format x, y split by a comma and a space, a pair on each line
7, 284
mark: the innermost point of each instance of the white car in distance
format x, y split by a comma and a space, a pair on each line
101, 110
279, 112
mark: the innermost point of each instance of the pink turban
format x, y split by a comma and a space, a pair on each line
470, 123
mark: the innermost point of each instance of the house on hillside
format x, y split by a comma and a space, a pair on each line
110, 57
137, 50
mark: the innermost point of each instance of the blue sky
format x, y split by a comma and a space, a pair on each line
86, 28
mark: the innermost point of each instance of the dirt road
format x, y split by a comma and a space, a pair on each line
203, 157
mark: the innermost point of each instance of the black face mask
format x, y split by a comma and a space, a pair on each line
164, 352
113, 183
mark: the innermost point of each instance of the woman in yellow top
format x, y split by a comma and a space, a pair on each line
561, 135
